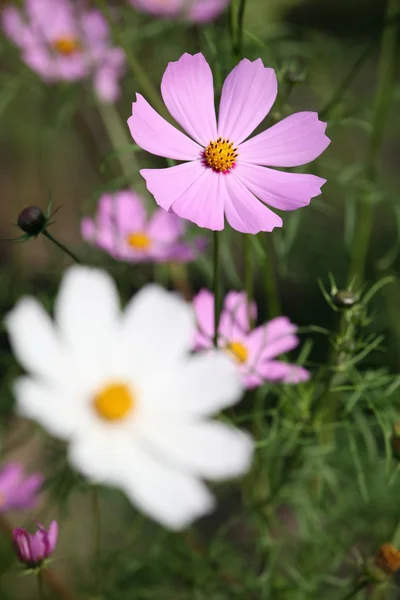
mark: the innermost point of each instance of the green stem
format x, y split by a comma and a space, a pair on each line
60, 245
119, 138
248, 272
236, 17
97, 534
40, 586
271, 290
355, 589
216, 284
135, 64
383, 98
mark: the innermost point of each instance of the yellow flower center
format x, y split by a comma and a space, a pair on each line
114, 402
66, 45
138, 240
237, 351
220, 155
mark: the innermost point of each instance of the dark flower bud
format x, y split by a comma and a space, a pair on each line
345, 299
32, 220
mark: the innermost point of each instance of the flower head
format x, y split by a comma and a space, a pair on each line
125, 391
224, 175
254, 351
388, 559
123, 229
196, 11
34, 548
64, 41
17, 491
32, 220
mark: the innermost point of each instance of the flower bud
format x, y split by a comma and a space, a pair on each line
384, 564
34, 549
344, 299
32, 220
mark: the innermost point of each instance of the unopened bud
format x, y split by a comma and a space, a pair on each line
32, 220
345, 299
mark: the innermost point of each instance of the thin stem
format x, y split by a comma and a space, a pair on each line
240, 21
216, 284
119, 138
248, 273
40, 585
355, 589
135, 64
96, 514
383, 98
271, 289
61, 246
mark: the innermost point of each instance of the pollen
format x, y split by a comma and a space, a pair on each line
237, 351
114, 402
66, 45
138, 240
220, 155
388, 559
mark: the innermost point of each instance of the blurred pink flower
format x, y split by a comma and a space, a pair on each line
197, 11
63, 40
223, 173
122, 228
18, 491
33, 549
255, 350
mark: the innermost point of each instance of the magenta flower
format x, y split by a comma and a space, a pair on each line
223, 173
33, 549
63, 40
17, 491
196, 11
123, 229
254, 351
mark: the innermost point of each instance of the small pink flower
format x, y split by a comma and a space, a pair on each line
223, 174
17, 491
197, 11
33, 549
254, 351
123, 229
63, 41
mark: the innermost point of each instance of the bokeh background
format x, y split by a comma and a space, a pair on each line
53, 141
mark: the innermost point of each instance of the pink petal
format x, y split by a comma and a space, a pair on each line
154, 134
276, 370
165, 227
188, 92
292, 142
203, 202
273, 338
248, 94
168, 184
284, 191
94, 26
13, 25
244, 212
234, 320
162, 8
52, 535
203, 11
203, 304
123, 211
88, 229
106, 84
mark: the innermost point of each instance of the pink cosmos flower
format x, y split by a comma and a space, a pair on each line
254, 351
33, 549
197, 11
223, 173
17, 491
123, 229
63, 40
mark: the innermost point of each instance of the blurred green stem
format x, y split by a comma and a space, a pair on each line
383, 98
248, 272
271, 291
119, 138
97, 534
216, 283
355, 589
40, 585
138, 71
60, 245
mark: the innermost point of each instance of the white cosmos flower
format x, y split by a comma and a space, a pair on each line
128, 396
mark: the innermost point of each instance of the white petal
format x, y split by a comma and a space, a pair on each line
58, 411
167, 495
87, 312
35, 341
208, 449
204, 384
156, 331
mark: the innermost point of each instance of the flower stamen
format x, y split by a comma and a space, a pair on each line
220, 155
114, 402
237, 351
66, 45
138, 240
